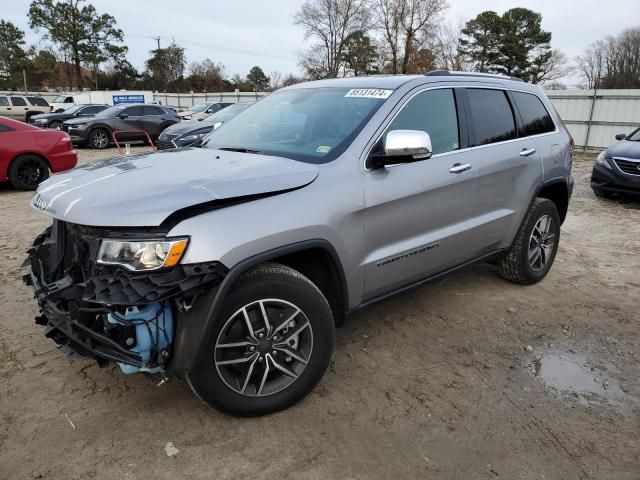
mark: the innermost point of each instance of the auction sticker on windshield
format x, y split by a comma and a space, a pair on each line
369, 93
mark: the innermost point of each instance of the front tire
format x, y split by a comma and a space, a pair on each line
271, 345
99, 138
55, 125
27, 172
532, 253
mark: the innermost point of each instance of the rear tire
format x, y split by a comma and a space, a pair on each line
533, 251
99, 138
27, 172
294, 346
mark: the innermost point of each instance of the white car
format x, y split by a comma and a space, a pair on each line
22, 107
202, 110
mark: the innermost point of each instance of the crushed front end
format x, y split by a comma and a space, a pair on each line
111, 311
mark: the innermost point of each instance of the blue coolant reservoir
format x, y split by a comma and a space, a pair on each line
154, 331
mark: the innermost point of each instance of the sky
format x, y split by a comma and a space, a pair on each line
242, 33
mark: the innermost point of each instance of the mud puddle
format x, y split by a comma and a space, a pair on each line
571, 373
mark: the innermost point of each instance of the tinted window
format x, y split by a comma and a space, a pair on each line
68, 100
92, 110
18, 102
133, 111
153, 111
4, 102
434, 112
38, 101
534, 115
492, 116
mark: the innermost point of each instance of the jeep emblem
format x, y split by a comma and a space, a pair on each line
39, 203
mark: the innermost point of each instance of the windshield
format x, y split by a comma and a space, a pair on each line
313, 125
635, 136
227, 113
111, 111
200, 107
59, 99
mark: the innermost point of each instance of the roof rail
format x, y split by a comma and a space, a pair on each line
447, 73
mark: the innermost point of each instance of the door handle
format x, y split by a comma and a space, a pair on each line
527, 152
459, 167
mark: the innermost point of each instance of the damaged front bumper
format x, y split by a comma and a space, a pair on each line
109, 312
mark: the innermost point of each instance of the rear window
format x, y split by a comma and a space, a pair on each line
18, 102
4, 102
38, 101
492, 116
535, 117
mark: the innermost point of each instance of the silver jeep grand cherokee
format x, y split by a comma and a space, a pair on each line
231, 264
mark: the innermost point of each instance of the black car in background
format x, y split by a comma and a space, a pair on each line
187, 133
617, 169
54, 120
97, 131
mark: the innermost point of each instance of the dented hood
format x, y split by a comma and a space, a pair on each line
143, 190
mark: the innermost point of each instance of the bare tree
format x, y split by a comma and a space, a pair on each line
590, 64
276, 80
387, 17
447, 47
330, 23
545, 69
418, 15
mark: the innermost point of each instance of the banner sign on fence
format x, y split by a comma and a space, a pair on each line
118, 99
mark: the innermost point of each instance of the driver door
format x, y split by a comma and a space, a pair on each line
417, 213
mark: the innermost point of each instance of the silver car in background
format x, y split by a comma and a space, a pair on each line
231, 264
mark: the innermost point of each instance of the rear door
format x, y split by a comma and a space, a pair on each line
152, 119
538, 124
19, 107
417, 213
509, 167
132, 122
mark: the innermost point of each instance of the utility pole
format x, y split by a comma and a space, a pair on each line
24, 79
157, 39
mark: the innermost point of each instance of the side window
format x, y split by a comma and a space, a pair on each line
534, 115
133, 111
434, 112
91, 110
68, 100
4, 102
149, 111
18, 102
213, 108
492, 116
38, 101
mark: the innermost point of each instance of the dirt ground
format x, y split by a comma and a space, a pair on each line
469, 377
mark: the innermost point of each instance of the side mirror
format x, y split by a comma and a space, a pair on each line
621, 136
123, 115
402, 146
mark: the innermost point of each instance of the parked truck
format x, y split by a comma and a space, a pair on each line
108, 97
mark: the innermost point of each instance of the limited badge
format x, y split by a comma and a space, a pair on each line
323, 149
369, 93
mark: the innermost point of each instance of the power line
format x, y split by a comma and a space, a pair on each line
217, 47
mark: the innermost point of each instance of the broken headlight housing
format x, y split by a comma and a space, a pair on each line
142, 255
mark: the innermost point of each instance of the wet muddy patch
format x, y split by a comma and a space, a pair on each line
570, 373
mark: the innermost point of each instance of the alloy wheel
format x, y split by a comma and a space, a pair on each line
263, 347
99, 139
31, 172
541, 243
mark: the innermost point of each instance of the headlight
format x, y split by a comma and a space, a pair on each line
78, 125
192, 137
140, 255
602, 160
40, 121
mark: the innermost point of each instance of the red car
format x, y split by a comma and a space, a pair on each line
28, 153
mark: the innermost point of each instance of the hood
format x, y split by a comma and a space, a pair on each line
143, 190
184, 127
624, 148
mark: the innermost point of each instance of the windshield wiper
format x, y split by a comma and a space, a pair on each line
239, 149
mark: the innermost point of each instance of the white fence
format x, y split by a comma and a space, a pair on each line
593, 118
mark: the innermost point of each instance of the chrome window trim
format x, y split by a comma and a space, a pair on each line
444, 154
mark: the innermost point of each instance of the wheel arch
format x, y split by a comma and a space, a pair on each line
557, 191
24, 154
308, 257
